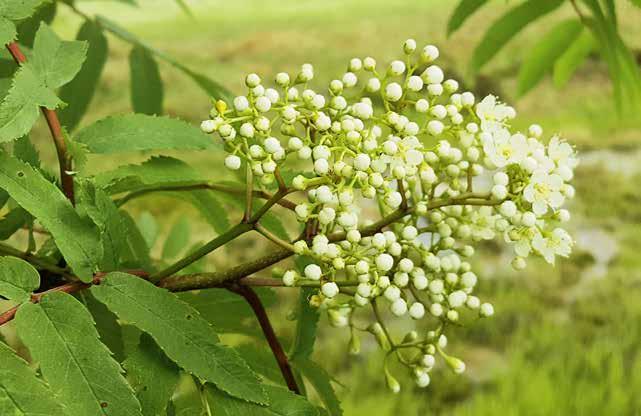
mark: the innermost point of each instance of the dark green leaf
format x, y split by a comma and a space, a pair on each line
13, 221
507, 26
27, 29
21, 392
136, 254
181, 332
18, 279
146, 84
573, 58
119, 134
77, 238
60, 335
24, 150
282, 403
178, 239
307, 318
152, 375
321, 382
79, 92
463, 11
542, 56
56, 61
262, 361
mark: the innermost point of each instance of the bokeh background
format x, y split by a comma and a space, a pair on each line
564, 340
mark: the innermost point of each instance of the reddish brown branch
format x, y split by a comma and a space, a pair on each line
261, 314
66, 180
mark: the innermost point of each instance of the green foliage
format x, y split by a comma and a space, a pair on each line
463, 11
541, 58
17, 279
21, 391
282, 402
574, 56
153, 376
76, 237
119, 134
80, 370
177, 239
181, 332
146, 84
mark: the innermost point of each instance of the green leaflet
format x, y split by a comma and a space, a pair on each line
181, 332
13, 221
282, 403
136, 254
262, 361
541, 58
156, 171
226, 311
18, 279
21, 391
145, 81
60, 335
188, 399
97, 205
19, 9
153, 376
24, 150
209, 206
321, 381
210, 86
177, 239
79, 92
148, 228
307, 319
21, 106
106, 324
56, 61
119, 134
463, 11
573, 58
507, 26
77, 238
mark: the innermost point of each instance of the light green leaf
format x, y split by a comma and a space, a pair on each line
146, 84
7, 31
134, 132
106, 323
543, 54
463, 11
80, 91
320, 380
573, 58
21, 391
178, 239
282, 403
60, 335
56, 61
18, 279
21, 106
77, 238
188, 398
208, 205
226, 311
507, 26
181, 332
19, 9
97, 205
153, 376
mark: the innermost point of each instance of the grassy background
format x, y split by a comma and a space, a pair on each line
565, 340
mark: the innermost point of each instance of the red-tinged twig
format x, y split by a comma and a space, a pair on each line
53, 122
261, 314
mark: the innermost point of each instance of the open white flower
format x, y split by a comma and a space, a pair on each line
544, 191
558, 243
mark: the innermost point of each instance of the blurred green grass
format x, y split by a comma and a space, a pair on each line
565, 340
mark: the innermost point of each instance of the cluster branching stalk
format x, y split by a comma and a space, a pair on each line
277, 350
64, 160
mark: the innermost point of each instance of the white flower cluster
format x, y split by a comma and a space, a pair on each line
444, 169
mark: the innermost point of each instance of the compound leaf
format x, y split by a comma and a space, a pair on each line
181, 332
60, 335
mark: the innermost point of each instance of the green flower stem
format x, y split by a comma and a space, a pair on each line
379, 318
212, 245
249, 189
273, 238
